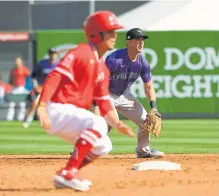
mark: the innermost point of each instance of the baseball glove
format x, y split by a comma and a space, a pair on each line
153, 123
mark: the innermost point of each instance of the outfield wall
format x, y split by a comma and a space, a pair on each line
185, 68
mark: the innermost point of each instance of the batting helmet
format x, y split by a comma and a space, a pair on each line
98, 22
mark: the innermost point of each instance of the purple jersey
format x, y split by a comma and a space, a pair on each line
124, 72
42, 69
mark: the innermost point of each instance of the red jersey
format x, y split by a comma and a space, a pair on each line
79, 78
18, 76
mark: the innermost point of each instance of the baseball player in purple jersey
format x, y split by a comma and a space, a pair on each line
125, 66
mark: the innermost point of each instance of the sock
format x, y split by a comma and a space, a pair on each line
88, 159
82, 147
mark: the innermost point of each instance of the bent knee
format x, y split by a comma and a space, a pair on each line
103, 146
98, 124
108, 146
102, 125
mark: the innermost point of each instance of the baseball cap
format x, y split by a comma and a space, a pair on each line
135, 33
52, 51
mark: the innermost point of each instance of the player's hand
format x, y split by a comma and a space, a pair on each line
43, 117
124, 129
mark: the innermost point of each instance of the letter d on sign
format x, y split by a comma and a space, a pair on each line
169, 52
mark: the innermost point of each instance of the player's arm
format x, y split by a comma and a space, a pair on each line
49, 88
51, 85
148, 85
106, 108
150, 93
111, 65
102, 98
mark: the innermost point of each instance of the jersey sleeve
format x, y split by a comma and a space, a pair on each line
101, 93
51, 84
146, 71
65, 66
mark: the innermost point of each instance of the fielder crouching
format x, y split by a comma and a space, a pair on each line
126, 65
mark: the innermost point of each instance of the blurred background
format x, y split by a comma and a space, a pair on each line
183, 51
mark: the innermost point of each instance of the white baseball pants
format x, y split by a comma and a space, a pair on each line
70, 122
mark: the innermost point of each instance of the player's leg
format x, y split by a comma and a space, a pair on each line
11, 111
32, 110
88, 133
135, 112
22, 111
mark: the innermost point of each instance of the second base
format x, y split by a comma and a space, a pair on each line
156, 165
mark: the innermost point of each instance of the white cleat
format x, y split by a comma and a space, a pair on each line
149, 153
78, 185
87, 182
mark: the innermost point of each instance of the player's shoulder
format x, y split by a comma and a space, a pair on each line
143, 60
116, 56
82, 51
83, 55
119, 53
82, 46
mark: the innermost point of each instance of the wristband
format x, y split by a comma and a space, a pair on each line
153, 104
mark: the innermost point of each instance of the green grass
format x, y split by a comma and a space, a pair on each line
178, 136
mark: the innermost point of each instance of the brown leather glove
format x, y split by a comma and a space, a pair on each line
153, 123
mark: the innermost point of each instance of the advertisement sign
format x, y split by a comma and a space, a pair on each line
14, 36
185, 67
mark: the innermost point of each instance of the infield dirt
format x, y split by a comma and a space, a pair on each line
111, 175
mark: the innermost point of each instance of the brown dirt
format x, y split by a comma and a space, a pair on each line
112, 176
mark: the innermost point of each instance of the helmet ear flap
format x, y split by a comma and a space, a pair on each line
96, 38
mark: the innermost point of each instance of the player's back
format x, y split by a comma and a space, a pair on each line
85, 71
82, 69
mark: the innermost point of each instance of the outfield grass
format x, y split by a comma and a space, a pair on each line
178, 136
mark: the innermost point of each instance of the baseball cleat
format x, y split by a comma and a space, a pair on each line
87, 182
149, 153
70, 179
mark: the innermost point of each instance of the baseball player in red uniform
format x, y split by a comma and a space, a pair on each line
69, 91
